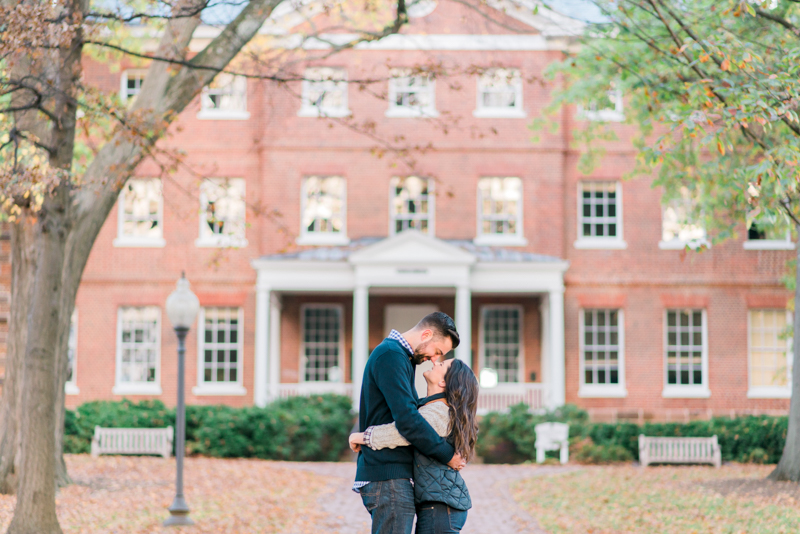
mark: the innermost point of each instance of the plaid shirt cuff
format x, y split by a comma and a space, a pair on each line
368, 437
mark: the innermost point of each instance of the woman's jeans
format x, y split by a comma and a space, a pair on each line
438, 518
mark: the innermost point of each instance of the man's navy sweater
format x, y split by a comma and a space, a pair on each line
388, 394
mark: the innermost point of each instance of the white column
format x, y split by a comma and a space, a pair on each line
463, 320
556, 384
274, 345
260, 366
360, 339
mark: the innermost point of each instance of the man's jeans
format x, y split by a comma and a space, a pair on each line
391, 505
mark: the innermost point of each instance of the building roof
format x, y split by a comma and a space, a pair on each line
482, 253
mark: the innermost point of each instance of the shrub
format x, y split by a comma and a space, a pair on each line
510, 438
585, 451
298, 429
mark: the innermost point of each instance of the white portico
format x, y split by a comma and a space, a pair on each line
411, 265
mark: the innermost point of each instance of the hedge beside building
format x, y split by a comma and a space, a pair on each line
299, 429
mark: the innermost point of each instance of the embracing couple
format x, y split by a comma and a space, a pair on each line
411, 450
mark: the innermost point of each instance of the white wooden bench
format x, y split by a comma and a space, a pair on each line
132, 441
679, 450
552, 437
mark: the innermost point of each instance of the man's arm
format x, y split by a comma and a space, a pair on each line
393, 379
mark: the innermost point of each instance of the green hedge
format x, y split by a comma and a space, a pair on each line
298, 429
510, 438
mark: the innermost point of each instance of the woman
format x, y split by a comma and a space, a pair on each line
441, 496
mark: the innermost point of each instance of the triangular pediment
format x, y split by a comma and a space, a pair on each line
412, 247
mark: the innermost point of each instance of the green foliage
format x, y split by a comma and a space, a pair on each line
585, 451
298, 429
709, 86
510, 437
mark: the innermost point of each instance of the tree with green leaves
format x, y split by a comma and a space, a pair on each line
713, 88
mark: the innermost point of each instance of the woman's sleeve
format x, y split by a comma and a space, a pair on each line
388, 437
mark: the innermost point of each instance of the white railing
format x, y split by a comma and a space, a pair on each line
503, 396
305, 389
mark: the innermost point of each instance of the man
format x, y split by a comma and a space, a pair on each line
384, 477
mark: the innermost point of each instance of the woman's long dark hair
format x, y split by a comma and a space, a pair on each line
461, 393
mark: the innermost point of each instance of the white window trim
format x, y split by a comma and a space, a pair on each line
323, 238
431, 207
218, 241
71, 387
608, 391
204, 388
340, 359
600, 243
482, 337
122, 241
770, 244
308, 110
607, 114
674, 391
123, 83
136, 388
679, 244
516, 240
224, 114
483, 112
401, 112
766, 392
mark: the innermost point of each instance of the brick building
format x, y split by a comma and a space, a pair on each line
304, 247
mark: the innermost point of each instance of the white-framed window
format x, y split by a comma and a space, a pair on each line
323, 208
686, 353
322, 342
769, 344
500, 94
500, 211
411, 94
140, 214
768, 234
219, 348
222, 213
679, 229
324, 92
412, 205
130, 84
602, 346
600, 215
501, 342
225, 98
138, 351
71, 385
607, 109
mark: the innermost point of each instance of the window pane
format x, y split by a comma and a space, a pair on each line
224, 207
140, 206
321, 341
323, 210
685, 340
220, 345
599, 209
410, 204
138, 344
601, 339
500, 200
770, 349
502, 342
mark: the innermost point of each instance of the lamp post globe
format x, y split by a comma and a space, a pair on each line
182, 307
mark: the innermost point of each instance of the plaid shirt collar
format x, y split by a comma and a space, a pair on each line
397, 336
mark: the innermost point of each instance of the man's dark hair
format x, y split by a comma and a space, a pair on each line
442, 326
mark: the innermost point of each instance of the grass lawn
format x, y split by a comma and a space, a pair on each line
733, 499
116, 494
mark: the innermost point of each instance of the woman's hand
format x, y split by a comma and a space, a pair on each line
356, 441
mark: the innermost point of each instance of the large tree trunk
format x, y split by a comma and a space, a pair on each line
788, 467
22, 268
35, 512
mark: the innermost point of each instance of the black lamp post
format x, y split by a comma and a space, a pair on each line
182, 307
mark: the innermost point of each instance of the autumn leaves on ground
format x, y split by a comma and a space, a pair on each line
131, 494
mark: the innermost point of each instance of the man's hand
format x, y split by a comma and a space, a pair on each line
457, 462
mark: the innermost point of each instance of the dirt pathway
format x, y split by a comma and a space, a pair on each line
493, 512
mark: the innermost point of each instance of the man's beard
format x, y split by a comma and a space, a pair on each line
418, 357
